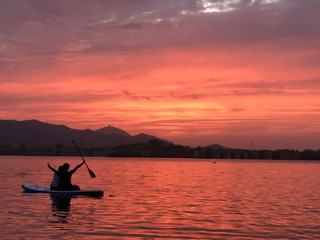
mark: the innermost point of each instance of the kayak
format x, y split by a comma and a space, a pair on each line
32, 188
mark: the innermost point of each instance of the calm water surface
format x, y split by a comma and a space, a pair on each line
164, 198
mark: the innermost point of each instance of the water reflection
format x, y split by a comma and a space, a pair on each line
61, 207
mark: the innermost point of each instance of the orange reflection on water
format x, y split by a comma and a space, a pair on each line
174, 199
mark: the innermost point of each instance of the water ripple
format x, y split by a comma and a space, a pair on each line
165, 199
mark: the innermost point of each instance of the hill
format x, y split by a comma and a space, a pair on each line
113, 131
40, 134
216, 147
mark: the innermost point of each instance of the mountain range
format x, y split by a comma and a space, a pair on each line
35, 133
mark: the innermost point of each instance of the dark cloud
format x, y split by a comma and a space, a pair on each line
306, 84
276, 85
48, 26
259, 87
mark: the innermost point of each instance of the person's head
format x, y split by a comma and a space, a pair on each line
60, 168
66, 166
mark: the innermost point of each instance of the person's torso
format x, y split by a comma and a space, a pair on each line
65, 179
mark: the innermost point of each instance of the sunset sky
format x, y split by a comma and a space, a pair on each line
195, 72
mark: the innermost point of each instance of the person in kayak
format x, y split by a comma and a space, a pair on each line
65, 176
56, 179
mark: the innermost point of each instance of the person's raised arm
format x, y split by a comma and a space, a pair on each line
76, 168
52, 169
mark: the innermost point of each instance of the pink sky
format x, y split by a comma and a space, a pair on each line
194, 72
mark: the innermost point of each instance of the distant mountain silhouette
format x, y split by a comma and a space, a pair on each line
112, 130
216, 147
142, 138
126, 138
39, 134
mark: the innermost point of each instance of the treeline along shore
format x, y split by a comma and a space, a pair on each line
161, 149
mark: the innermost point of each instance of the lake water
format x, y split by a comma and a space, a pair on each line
164, 199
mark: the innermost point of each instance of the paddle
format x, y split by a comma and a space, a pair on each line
92, 175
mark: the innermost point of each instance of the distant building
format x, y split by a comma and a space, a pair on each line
103, 152
67, 151
40, 151
6, 149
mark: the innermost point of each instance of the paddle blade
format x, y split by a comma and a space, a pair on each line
92, 175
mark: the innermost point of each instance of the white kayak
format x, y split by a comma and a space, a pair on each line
32, 188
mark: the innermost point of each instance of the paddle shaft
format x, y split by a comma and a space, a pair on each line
91, 173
